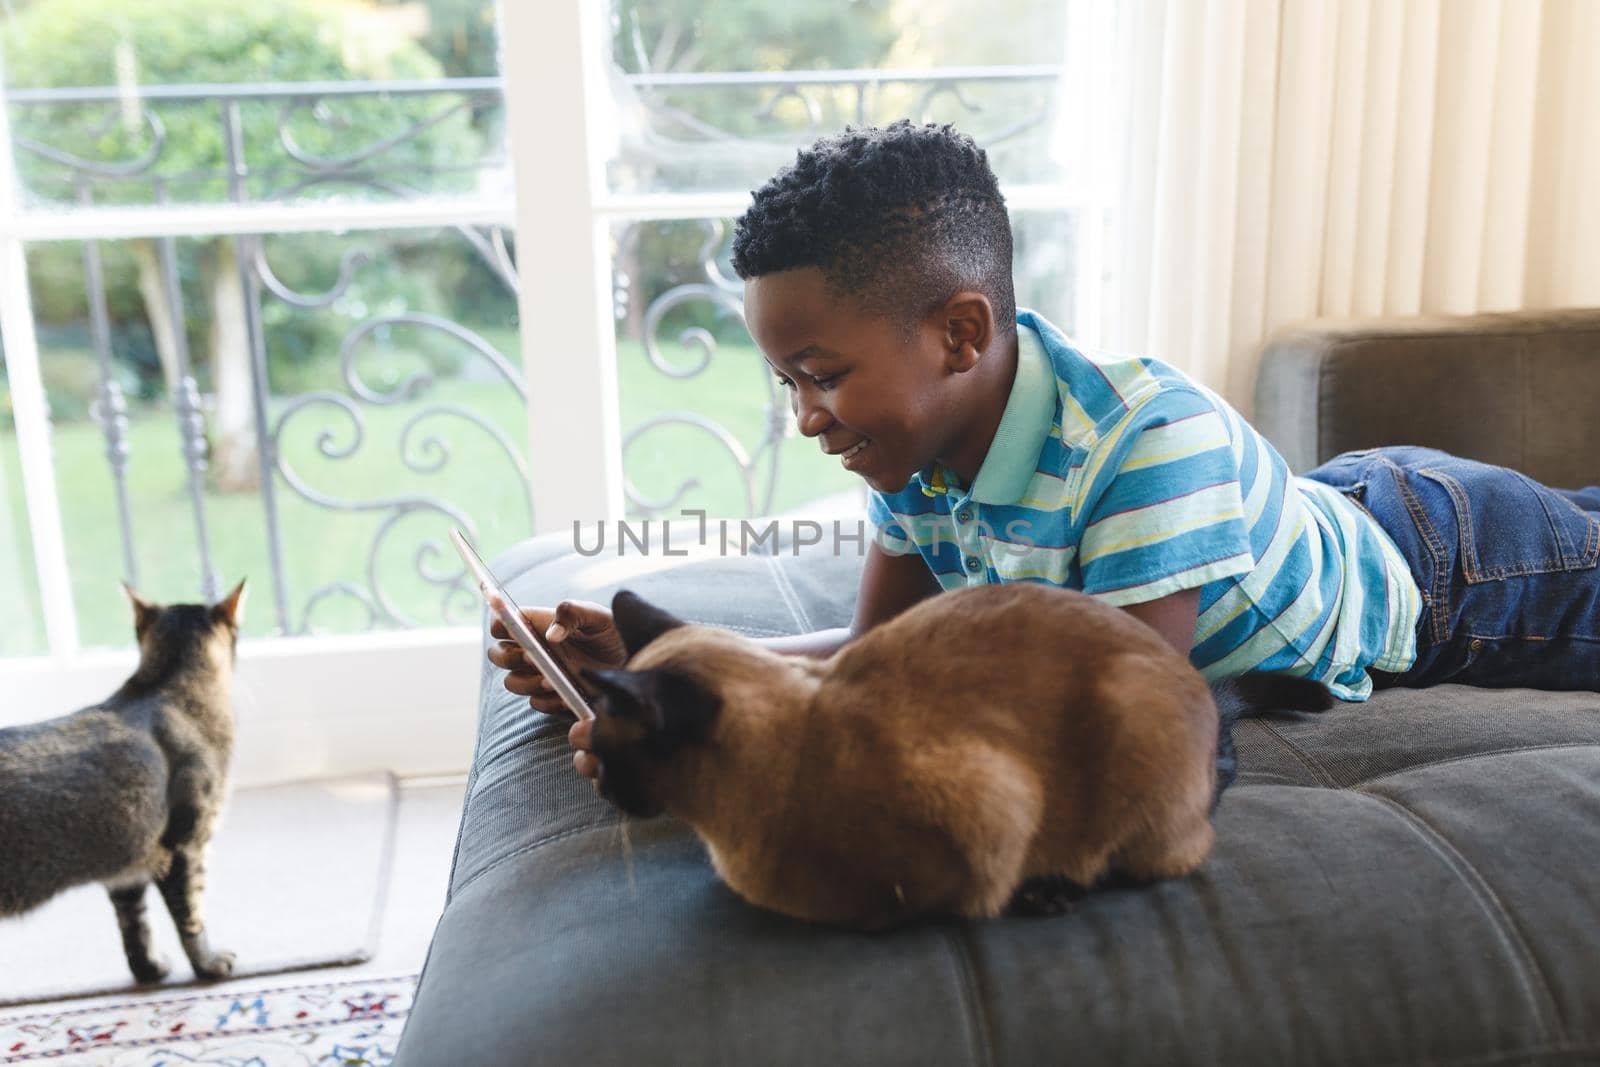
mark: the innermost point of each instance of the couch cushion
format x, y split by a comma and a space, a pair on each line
1518, 390
1406, 880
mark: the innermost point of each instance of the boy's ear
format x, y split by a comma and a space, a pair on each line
144, 612
968, 328
638, 621
231, 607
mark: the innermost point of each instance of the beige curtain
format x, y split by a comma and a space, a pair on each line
1283, 160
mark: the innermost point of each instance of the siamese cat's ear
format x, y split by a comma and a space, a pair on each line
669, 708
633, 695
638, 621
144, 612
231, 607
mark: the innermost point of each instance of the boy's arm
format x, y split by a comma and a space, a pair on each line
889, 585
1173, 617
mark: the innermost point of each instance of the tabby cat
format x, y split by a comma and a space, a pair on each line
983, 741
127, 792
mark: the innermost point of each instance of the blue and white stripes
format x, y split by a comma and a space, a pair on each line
1133, 482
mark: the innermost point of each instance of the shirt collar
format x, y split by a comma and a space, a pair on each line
1030, 410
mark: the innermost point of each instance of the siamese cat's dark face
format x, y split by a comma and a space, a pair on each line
644, 718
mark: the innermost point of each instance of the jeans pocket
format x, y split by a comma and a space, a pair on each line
1511, 525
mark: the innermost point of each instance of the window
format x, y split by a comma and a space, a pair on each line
265, 311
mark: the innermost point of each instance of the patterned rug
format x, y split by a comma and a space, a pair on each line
352, 1023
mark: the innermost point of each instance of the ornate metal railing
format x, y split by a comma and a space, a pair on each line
828, 99
285, 144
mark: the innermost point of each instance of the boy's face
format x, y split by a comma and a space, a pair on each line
881, 401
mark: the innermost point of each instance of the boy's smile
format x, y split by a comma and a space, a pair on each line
886, 401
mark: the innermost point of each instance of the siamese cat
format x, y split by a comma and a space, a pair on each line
127, 792
986, 740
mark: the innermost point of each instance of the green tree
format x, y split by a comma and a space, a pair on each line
60, 43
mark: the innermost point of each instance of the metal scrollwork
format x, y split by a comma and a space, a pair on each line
101, 168
416, 383
349, 263
424, 454
324, 114
716, 237
789, 92
423, 445
340, 588
692, 337
852, 91
725, 294
293, 159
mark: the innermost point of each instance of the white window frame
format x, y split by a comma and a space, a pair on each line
401, 701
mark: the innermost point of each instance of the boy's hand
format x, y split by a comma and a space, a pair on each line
580, 634
584, 761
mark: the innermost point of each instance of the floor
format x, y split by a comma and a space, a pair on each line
425, 833
424, 843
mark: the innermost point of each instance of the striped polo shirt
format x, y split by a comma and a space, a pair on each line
1125, 479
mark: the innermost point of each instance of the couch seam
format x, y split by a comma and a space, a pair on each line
1300, 754
1544, 1054
791, 599
1467, 758
532, 739
1529, 970
1524, 402
1325, 343
471, 788
1249, 778
1325, 374
523, 849
967, 984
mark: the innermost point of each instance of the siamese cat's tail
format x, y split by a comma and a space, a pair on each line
1257, 694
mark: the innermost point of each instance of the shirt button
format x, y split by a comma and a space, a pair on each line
965, 514
974, 564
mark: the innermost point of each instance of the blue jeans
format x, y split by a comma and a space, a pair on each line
1507, 567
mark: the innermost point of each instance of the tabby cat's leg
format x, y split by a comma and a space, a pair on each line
129, 902
188, 831
182, 889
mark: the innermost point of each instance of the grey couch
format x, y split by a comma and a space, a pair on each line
1412, 880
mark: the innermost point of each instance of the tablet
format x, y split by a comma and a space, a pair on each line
506, 609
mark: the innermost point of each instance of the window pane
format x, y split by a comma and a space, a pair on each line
715, 95
187, 101
393, 409
1045, 278
22, 624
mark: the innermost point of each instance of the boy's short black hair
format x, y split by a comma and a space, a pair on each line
900, 218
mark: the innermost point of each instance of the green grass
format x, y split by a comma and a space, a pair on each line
322, 546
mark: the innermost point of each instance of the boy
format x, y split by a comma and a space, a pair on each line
878, 286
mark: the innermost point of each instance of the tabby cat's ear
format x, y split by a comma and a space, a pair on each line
638, 621
144, 612
231, 607
670, 708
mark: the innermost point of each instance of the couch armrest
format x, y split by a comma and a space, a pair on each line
1520, 390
